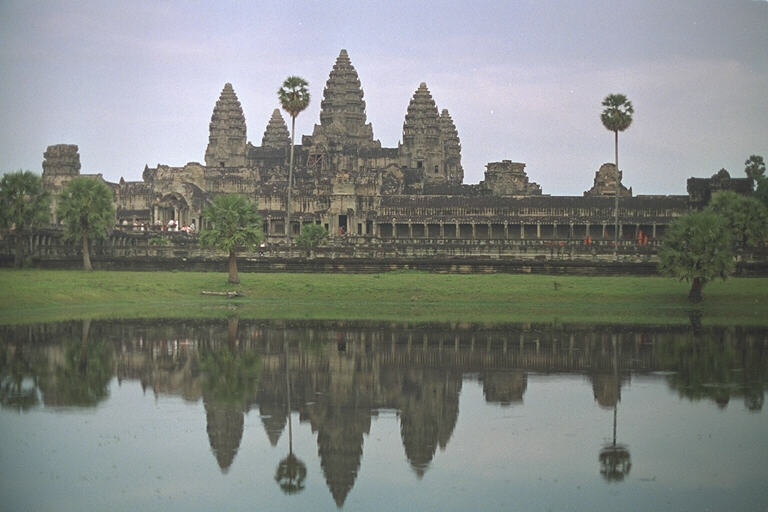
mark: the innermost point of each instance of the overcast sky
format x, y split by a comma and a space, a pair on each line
134, 83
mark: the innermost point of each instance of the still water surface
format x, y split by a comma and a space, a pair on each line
263, 415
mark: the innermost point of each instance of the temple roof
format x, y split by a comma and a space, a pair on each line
342, 110
227, 113
450, 133
227, 123
343, 95
422, 118
276, 134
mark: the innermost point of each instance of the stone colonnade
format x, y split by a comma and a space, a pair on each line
478, 230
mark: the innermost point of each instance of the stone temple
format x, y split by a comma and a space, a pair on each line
346, 181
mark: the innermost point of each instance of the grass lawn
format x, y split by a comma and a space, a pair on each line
48, 295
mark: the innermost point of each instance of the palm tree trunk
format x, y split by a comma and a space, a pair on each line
695, 295
233, 277
83, 366
86, 253
616, 201
290, 183
18, 260
288, 391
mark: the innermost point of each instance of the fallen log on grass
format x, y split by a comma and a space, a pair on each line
229, 295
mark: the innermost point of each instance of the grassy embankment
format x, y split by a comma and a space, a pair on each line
41, 295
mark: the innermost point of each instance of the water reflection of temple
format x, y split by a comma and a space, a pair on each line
341, 375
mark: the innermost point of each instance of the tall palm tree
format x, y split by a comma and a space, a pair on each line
87, 209
294, 98
23, 205
616, 117
233, 223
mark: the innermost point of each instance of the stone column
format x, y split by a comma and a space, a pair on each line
506, 230
410, 230
654, 230
586, 234
473, 231
522, 230
442, 230
538, 230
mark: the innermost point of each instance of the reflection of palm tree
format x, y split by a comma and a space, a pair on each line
83, 379
290, 474
291, 471
231, 376
615, 461
15, 367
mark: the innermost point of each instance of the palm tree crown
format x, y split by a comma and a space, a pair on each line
293, 95
617, 115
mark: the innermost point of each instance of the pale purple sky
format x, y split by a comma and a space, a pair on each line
134, 83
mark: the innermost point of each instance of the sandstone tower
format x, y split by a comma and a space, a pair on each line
227, 139
61, 163
422, 141
276, 135
454, 173
605, 183
342, 110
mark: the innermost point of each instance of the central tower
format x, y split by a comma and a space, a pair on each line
342, 110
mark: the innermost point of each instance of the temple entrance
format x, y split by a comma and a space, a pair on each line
171, 207
343, 227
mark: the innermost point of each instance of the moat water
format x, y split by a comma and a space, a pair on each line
264, 415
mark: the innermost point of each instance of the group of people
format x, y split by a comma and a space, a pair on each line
172, 225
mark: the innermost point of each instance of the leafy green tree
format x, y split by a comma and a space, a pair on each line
233, 224
746, 217
312, 235
87, 210
697, 249
755, 168
23, 205
616, 117
294, 98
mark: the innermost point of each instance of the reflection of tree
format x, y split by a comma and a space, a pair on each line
291, 472
17, 372
710, 366
82, 378
615, 461
230, 379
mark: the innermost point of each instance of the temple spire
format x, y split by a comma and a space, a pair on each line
227, 138
276, 134
342, 110
451, 148
422, 144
